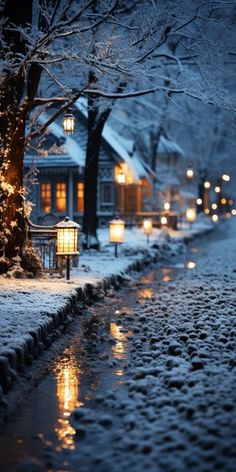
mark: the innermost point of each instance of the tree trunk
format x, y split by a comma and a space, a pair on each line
96, 122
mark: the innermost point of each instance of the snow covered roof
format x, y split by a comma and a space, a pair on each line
74, 155
122, 147
167, 146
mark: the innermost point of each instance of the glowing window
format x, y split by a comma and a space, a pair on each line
45, 197
80, 196
61, 196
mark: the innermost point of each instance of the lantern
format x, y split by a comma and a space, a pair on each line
214, 218
189, 173
69, 123
116, 233
121, 178
67, 241
191, 215
164, 220
166, 206
147, 227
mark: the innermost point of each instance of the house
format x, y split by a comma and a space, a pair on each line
123, 184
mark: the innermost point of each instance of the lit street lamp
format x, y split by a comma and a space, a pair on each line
116, 233
147, 227
67, 241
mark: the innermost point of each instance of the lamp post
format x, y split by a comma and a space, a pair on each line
190, 215
67, 241
116, 233
69, 123
147, 227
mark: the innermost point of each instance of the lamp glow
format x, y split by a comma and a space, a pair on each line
191, 215
214, 206
233, 211
207, 211
166, 206
189, 173
147, 227
164, 220
199, 201
217, 189
116, 232
67, 240
121, 178
69, 123
215, 218
226, 177
207, 184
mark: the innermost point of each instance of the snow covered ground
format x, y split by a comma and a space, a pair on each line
29, 304
176, 410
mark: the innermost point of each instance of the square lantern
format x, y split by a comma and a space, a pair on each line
147, 227
69, 123
116, 233
67, 241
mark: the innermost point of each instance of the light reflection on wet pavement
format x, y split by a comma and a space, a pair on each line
93, 363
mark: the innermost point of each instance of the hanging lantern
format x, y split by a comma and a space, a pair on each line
69, 123
116, 233
67, 240
147, 227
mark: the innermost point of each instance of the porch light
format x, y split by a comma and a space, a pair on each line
207, 184
226, 177
121, 178
191, 215
166, 206
164, 220
116, 233
189, 173
69, 123
215, 218
67, 241
147, 227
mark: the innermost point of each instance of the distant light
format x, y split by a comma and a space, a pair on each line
207, 184
166, 206
206, 211
233, 211
164, 220
199, 201
228, 214
226, 177
215, 218
189, 173
217, 189
223, 201
214, 206
231, 202
190, 215
191, 265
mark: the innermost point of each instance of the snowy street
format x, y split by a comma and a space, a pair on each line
152, 376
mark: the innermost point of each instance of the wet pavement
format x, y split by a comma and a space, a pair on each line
93, 367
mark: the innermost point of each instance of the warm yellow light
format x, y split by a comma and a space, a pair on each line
199, 201
147, 226
189, 173
116, 231
67, 238
121, 178
223, 201
217, 189
215, 218
214, 206
233, 211
207, 184
164, 220
191, 215
69, 123
191, 265
226, 177
166, 206
206, 211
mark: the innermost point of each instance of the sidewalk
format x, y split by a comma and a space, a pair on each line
35, 311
